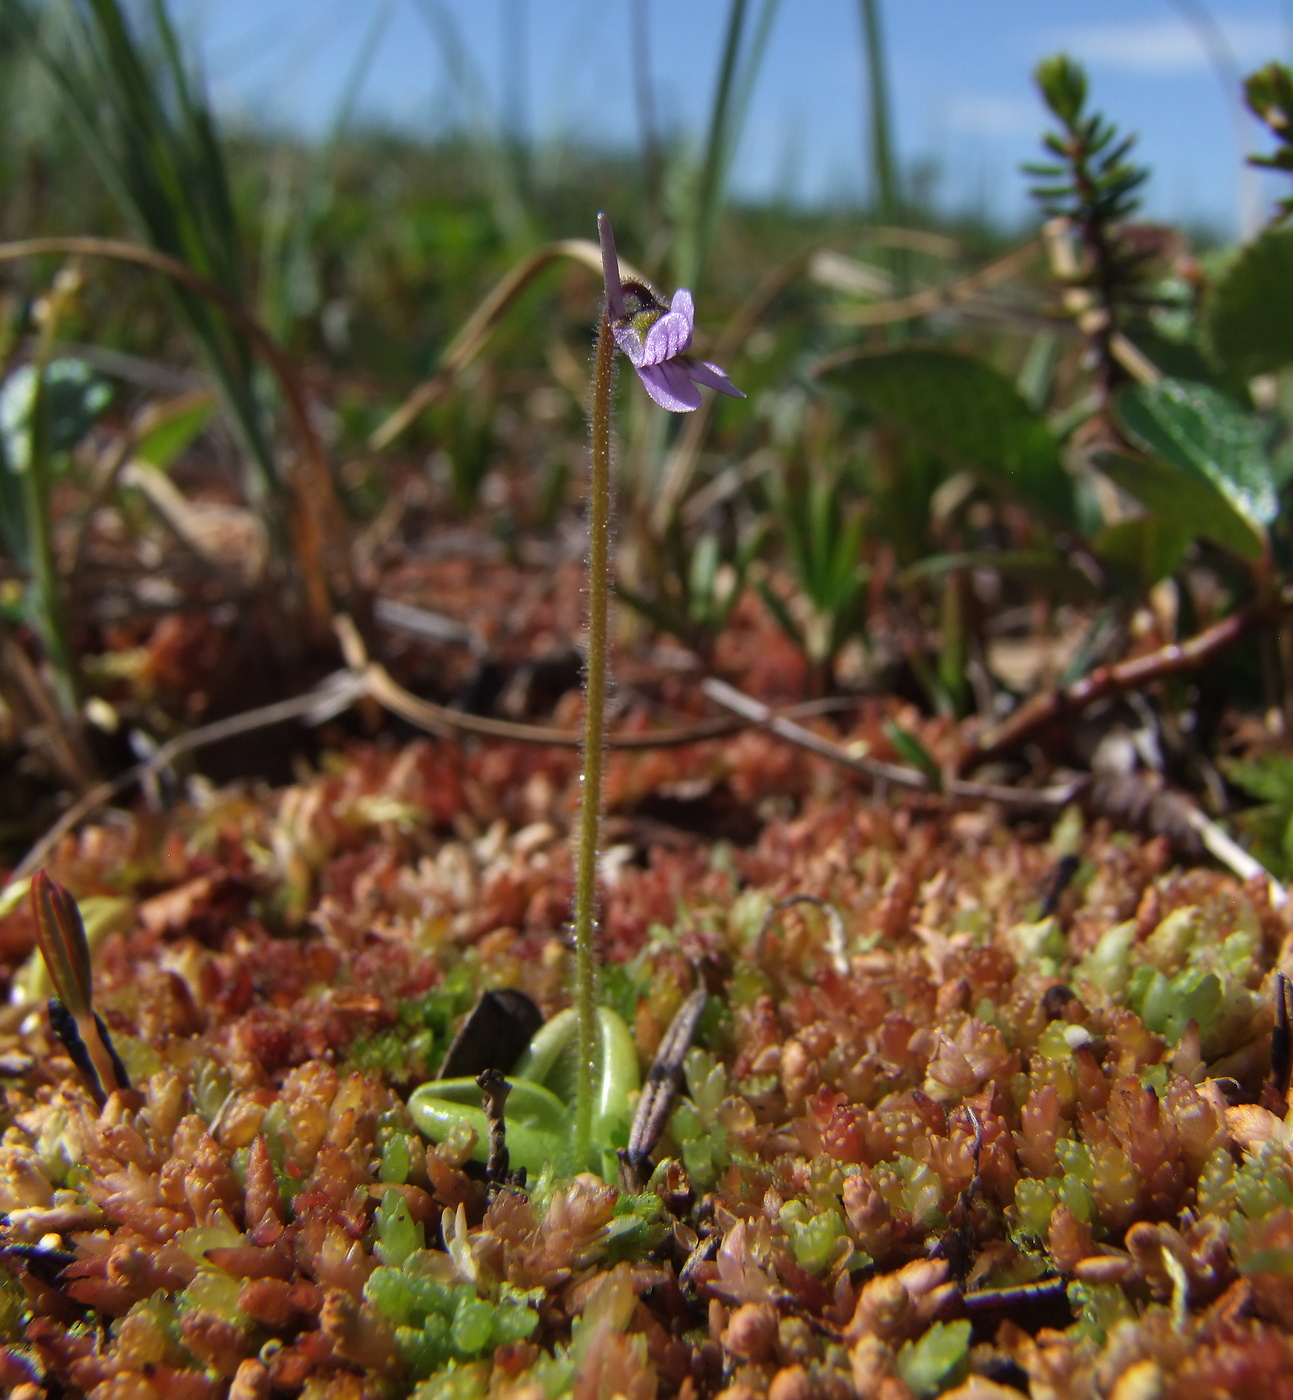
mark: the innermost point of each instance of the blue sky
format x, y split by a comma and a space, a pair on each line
962, 96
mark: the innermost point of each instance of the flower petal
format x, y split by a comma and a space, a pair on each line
610, 269
667, 338
705, 373
631, 343
668, 385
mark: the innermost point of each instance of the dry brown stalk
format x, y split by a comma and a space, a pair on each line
1063, 702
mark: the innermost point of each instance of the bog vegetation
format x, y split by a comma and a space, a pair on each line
933, 1029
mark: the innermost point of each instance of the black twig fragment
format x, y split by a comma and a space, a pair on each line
1282, 1039
1057, 882
495, 1088
63, 1024
46, 1264
1030, 1306
661, 1087
123, 1079
705, 1249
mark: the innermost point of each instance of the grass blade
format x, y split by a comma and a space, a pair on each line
737, 71
879, 124
150, 133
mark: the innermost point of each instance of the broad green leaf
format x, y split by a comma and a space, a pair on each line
1248, 316
170, 427
1208, 436
966, 411
1184, 502
1269, 778
1148, 548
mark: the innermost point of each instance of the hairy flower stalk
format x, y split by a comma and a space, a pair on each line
655, 338
594, 732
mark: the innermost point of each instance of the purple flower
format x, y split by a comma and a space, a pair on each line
656, 337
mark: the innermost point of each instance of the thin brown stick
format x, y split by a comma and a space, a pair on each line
1089, 317
1232, 855
338, 692
441, 720
924, 303
63, 740
879, 772
329, 693
476, 330
320, 521
494, 1090
1062, 703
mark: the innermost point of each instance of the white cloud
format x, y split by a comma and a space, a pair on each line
1167, 47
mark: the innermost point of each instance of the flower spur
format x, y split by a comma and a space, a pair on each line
655, 337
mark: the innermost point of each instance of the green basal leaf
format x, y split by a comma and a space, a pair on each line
437, 1118
966, 411
1184, 502
659, 612
1208, 436
172, 427
911, 750
776, 606
528, 1104
1248, 315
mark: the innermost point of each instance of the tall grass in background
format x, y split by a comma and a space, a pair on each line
503, 156
289, 284
705, 193
879, 124
145, 122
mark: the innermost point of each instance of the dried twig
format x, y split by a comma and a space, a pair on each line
440, 719
336, 693
1064, 702
1058, 881
878, 771
1232, 855
661, 1087
925, 303
471, 338
1281, 1045
495, 1089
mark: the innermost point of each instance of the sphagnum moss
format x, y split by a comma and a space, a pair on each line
1050, 1150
